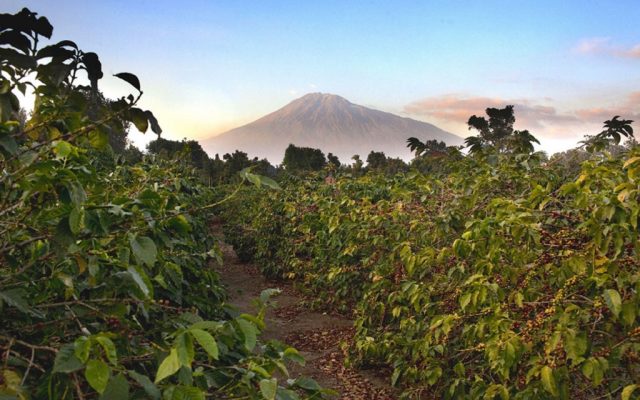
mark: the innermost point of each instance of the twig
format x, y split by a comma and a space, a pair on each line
77, 385
29, 345
83, 328
26, 373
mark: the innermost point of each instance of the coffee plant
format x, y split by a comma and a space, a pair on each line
106, 284
504, 277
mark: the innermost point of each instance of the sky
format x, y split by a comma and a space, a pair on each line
210, 66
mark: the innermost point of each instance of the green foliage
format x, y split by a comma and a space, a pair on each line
504, 277
106, 287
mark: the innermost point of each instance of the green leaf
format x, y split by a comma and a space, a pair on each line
66, 360
266, 181
108, 347
249, 333
82, 348
77, 195
141, 279
292, 354
99, 138
307, 383
144, 249
187, 393
148, 386
267, 294
613, 300
548, 381
628, 391
628, 313
97, 374
130, 79
76, 220
630, 161
206, 341
62, 149
286, 394
139, 119
117, 389
169, 366
464, 300
268, 388
15, 298
184, 346
9, 144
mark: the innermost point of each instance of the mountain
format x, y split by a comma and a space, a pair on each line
330, 123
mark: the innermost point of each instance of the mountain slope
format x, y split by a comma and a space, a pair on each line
328, 122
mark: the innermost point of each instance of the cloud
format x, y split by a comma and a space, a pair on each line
627, 109
592, 45
603, 45
541, 118
458, 109
633, 52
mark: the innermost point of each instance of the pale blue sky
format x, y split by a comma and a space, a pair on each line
208, 66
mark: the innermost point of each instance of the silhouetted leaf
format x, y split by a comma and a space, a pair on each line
129, 78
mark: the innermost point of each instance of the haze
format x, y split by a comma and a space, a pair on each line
207, 67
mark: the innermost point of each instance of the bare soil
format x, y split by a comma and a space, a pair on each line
322, 339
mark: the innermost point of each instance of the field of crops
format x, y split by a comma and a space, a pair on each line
508, 276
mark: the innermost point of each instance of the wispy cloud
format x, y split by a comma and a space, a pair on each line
633, 52
592, 45
540, 117
604, 45
628, 109
459, 108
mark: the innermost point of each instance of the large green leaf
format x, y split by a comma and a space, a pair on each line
149, 387
206, 341
144, 249
184, 346
614, 302
108, 347
268, 388
15, 298
97, 374
548, 381
139, 119
66, 360
141, 279
249, 333
628, 391
117, 389
169, 366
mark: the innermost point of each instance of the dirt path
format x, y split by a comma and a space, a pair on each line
317, 336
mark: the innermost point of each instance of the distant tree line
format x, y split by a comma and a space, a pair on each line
496, 134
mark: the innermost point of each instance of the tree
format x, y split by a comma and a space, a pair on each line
497, 133
190, 149
357, 163
333, 160
303, 159
430, 147
376, 160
